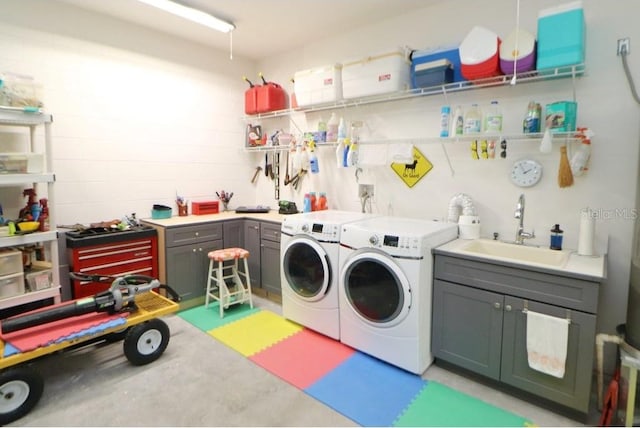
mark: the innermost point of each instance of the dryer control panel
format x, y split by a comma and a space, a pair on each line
324, 232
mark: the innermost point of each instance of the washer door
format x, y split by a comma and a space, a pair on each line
376, 288
306, 268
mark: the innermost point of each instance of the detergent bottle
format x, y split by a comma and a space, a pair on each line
352, 156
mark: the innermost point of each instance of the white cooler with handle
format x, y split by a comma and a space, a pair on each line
376, 74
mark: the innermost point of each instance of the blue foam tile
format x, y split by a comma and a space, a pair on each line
367, 390
10, 350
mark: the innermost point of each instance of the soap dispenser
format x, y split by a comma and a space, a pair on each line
556, 238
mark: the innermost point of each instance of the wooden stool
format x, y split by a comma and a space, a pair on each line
218, 289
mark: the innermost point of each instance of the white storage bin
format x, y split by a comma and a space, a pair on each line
39, 278
10, 262
318, 85
21, 163
378, 74
11, 285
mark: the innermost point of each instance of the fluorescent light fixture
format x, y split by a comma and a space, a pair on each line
191, 14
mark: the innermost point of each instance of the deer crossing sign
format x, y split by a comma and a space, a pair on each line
412, 172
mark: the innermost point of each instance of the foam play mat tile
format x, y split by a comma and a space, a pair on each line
255, 332
31, 338
367, 390
303, 358
438, 405
209, 318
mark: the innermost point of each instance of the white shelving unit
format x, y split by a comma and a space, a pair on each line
31, 121
569, 72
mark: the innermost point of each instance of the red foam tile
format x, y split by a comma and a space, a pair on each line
42, 335
303, 358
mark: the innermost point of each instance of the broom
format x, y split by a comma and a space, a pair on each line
565, 176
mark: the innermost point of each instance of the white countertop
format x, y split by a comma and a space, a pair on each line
590, 267
272, 215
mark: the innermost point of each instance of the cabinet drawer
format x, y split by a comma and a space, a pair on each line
104, 256
572, 293
192, 234
270, 232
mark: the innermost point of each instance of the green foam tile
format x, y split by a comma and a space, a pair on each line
209, 318
439, 405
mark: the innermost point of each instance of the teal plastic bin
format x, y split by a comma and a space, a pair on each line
561, 36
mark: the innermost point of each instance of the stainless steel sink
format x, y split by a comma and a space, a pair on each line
516, 253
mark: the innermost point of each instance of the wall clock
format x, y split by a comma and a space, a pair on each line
526, 172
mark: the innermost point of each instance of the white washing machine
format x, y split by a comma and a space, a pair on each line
385, 287
309, 250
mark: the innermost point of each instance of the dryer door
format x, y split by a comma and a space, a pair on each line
305, 265
376, 288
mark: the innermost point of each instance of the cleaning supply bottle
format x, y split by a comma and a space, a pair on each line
332, 129
457, 122
445, 116
313, 159
322, 131
352, 156
531, 123
473, 120
345, 154
306, 204
340, 154
322, 201
493, 118
44, 216
313, 200
556, 238
581, 157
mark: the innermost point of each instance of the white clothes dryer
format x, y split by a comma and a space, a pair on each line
309, 251
385, 287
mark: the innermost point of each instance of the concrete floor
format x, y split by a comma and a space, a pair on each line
198, 381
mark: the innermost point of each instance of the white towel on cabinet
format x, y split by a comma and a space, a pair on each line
547, 340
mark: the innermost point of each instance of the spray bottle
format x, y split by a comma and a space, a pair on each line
340, 150
313, 159
581, 157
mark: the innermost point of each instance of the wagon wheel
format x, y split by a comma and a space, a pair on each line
20, 390
145, 342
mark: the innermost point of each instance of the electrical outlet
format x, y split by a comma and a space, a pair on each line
365, 190
624, 45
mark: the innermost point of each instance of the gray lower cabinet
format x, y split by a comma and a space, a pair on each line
479, 323
252, 244
233, 235
270, 258
262, 239
187, 263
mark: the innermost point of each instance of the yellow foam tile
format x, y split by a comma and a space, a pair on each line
255, 333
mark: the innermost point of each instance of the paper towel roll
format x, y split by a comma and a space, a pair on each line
587, 233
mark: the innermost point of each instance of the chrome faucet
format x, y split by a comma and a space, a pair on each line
521, 235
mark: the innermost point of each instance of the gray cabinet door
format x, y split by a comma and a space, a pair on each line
467, 327
233, 233
252, 244
187, 268
270, 266
574, 389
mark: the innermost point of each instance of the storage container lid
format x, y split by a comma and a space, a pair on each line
517, 45
566, 7
434, 65
478, 46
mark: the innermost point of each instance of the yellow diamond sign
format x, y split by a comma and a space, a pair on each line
412, 172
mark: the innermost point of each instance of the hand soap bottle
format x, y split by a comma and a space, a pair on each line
556, 238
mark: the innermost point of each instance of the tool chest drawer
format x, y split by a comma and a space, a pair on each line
183, 235
270, 231
138, 256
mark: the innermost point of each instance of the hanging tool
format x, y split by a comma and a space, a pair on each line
255, 174
268, 171
277, 175
287, 179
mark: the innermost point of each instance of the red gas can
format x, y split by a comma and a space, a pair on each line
251, 98
271, 97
